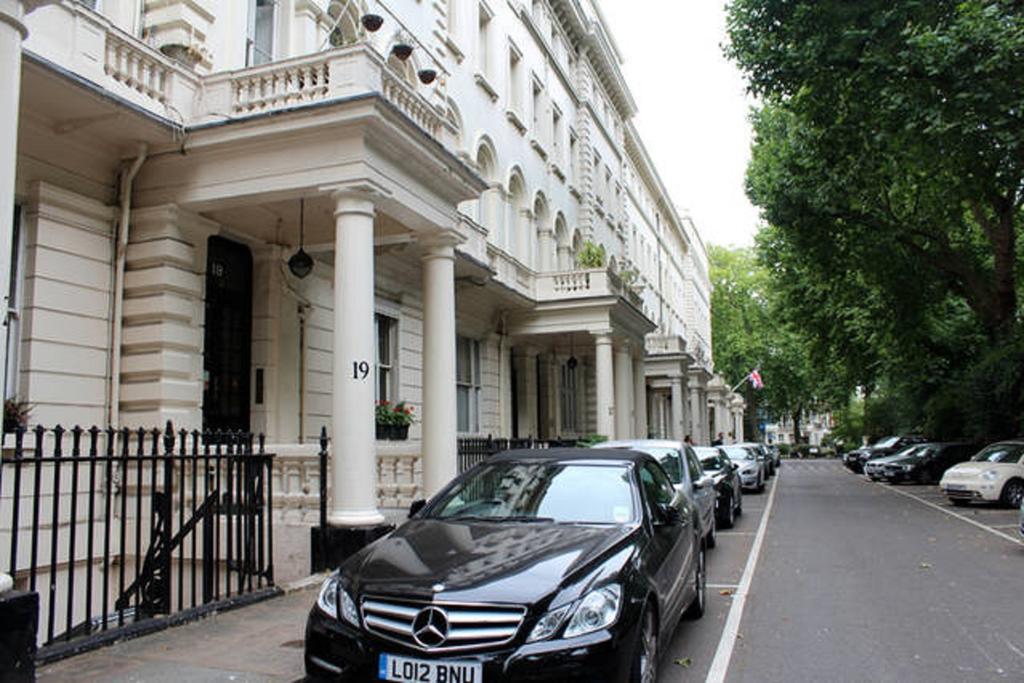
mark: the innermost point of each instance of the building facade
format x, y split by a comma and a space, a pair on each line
489, 240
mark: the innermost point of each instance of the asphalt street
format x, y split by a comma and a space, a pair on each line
859, 582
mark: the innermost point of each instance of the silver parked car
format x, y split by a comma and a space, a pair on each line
752, 474
684, 469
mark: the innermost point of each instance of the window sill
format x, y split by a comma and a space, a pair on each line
453, 47
557, 171
516, 121
575, 192
486, 86
539, 148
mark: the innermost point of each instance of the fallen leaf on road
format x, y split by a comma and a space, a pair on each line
685, 662
925, 565
725, 591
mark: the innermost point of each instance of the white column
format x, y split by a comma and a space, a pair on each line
678, 430
504, 386
439, 413
694, 426
353, 448
639, 398
605, 385
12, 32
623, 392
547, 250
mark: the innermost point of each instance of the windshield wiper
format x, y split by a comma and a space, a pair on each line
524, 518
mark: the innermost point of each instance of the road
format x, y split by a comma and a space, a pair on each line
857, 581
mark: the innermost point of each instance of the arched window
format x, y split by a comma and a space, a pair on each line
347, 29
542, 251
563, 244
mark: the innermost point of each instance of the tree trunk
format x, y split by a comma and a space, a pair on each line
796, 426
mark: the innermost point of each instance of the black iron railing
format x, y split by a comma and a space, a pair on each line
117, 527
473, 450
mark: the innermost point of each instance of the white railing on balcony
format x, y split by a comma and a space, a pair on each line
137, 68
409, 102
571, 282
281, 85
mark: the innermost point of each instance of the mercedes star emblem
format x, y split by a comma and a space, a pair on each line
430, 627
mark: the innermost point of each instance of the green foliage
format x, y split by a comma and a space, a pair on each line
591, 439
398, 414
591, 255
888, 164
749, 329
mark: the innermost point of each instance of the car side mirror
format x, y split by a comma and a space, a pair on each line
704, 482
416, 506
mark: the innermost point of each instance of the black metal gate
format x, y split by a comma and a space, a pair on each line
119, 529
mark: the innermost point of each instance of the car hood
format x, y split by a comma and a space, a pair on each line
973, 469
475, 561
885, 460
905, 460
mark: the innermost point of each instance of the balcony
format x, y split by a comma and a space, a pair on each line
86, 44
582, 284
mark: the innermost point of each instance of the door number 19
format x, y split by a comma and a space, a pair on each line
360, 369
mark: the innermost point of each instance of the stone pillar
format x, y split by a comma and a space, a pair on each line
564, 257
640, 398
678, 430
696, 410
623, 392
12, 32
353, 448
440, 464
605, 385
546, 247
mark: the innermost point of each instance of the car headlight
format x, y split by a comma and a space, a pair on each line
908, 468
548, 624
331, 594
989, 475
599, 609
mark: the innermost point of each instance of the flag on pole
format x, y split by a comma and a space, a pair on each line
755, 379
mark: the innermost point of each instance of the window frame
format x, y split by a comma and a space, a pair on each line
473, 387
386, 374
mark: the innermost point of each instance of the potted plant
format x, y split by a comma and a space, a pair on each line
591, 255
393, 420
15, 414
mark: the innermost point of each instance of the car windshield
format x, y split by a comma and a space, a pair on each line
921, 452
887, 443
542, 491
738, 453
712, 463
915, 450
1000, 452
667, 457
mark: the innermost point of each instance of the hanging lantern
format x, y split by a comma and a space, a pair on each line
301, 263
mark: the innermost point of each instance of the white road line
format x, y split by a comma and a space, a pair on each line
722, 586
984, 527
723, 655
735, 533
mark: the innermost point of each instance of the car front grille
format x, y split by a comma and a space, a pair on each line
441, 626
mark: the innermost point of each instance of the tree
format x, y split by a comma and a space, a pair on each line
887, 161
748, 330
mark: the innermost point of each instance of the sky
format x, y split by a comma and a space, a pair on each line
692, 108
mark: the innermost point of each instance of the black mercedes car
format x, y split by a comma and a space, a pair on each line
728, 487
554, 565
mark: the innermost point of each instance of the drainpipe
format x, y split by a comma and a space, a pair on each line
120, 252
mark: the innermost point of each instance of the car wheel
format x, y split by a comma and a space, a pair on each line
739, 502
696, 608
1013, 493
729, 514
645, 661
713, 534
760, 484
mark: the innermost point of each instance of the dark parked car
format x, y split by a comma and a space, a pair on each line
874, 468
890, 445
928, 463
555, 565
852, 459
729, 502
683, 467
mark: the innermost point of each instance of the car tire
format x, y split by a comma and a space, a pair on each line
729, 516
1013, 493
739, 503
695, 610
712, 537
645, 657
959, 502
760, 484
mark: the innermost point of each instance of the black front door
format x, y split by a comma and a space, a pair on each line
227, 345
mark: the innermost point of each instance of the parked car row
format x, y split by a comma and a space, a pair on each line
965, 472
566, 564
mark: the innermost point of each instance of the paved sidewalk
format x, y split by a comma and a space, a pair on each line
255, 644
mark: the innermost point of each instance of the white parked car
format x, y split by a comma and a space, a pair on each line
994, 474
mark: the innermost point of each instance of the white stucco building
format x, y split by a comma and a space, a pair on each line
172, 155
